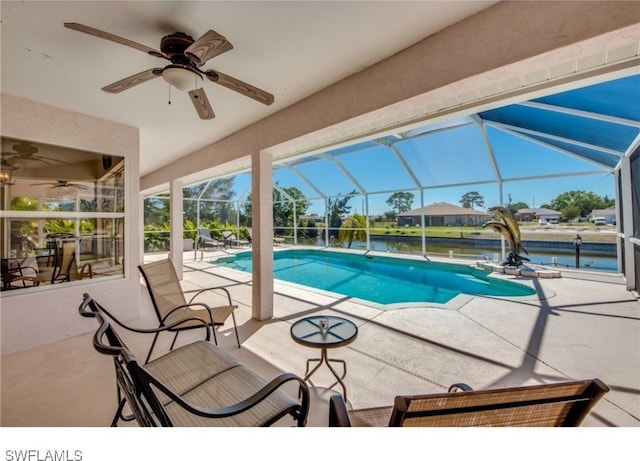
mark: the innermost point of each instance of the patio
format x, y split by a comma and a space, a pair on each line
578, 328
583, 325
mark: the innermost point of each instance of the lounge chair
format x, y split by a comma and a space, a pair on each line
276, 240
231, 240
204, 241
556, 404
196, 385
171, 305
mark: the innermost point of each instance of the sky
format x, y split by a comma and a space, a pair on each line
452, 156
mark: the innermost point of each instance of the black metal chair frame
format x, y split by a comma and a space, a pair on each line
135, 385
91, 308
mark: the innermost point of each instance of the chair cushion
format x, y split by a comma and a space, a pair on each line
228, 388
190, 365
207, 376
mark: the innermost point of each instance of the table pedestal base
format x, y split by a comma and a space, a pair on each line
325, 359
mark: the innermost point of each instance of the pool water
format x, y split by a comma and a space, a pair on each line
380, 279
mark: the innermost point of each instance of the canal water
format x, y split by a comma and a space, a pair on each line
600, 260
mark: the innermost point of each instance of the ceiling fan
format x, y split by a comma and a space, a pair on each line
24, 156
187, 56
61, 184
62, 190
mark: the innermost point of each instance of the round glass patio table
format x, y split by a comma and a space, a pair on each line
325, 332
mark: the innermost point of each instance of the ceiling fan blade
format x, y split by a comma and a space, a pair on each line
32, 161
201, 103
113, 38
61, 185
77, 186
51, 160
133, 80
210, 44
28, 162
240, 86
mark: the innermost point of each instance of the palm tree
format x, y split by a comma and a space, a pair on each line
353, 228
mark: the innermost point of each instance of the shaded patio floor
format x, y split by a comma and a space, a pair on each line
574, 329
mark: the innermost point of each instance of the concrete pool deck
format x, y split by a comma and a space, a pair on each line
575, 329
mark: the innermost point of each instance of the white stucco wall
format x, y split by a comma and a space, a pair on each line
31, 318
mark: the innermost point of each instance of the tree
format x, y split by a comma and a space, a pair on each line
156, 211
24, 203
570, 212
400, 201
515, 207
283, 207
353, 228
608, 202
390, 215
586, 202
216, 201
336, 209
307, 228
471, 199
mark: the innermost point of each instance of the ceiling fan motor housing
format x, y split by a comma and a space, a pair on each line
25, 148
174, 45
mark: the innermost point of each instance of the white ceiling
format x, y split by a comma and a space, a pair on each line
291, 49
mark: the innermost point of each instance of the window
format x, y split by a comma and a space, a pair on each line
62, 215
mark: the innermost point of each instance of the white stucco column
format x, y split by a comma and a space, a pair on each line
175, 249
262, 235
626, 200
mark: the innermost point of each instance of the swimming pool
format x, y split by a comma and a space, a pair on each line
380, 279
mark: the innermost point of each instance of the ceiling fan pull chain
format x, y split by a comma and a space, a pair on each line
169, 94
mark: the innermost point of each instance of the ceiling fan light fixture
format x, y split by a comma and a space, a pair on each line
61, 193
181, 77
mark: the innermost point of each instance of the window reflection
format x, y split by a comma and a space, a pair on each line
62, 216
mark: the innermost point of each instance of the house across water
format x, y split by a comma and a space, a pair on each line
444, 214
536, 214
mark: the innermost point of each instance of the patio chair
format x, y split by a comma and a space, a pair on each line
171, 305
231, 240
544, 405
34, 270
65, 268
204, 241
196, 385
18, 271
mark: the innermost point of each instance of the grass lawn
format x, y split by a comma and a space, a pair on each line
562, 232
